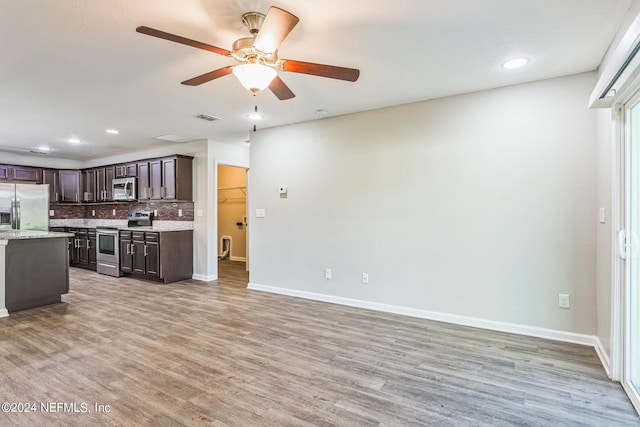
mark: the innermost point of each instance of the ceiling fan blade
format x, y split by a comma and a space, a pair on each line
330, 71
276, 26
280, 89
183, 40
207, 77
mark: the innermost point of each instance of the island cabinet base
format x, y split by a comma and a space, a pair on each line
36, 272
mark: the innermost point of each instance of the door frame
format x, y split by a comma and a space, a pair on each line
620, 293
245, 166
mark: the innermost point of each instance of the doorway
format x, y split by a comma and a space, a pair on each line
232, 225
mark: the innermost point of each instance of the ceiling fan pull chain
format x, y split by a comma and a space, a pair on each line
255, 109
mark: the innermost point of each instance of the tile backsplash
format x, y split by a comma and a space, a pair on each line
167, 211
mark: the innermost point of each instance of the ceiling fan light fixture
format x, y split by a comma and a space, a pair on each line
254, 77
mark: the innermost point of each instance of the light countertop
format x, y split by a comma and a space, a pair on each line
30, 234
122, 225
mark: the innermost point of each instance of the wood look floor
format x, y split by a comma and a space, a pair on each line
193, 353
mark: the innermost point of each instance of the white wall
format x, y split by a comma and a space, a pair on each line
480, 205
38, 160
604, 282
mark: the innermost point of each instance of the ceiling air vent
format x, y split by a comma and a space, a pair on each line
208, 117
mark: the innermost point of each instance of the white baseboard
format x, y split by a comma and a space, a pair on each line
238, 258
204, 278
533, 331
4, 312
603, 356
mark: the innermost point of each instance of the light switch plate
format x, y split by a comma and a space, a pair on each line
260, 213
51, 212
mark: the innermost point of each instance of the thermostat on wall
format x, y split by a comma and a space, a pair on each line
282, 189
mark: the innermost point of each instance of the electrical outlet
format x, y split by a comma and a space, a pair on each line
365, 278
51, 212
155, 212
327, 273
179, 212
114, 212
564, 301
93, 212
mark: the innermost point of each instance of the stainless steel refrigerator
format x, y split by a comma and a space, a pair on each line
24, 206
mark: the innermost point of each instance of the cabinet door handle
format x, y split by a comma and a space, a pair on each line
145, 250
88, 244
132, 249
128, 250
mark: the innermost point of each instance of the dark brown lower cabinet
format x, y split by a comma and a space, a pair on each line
165, 256
82, 248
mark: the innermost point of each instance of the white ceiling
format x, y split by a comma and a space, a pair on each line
73, 68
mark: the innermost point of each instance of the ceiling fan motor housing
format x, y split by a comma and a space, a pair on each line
253, 21
244, 51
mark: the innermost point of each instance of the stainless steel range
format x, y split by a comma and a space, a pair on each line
108, 251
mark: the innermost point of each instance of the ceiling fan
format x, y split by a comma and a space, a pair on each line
258, 55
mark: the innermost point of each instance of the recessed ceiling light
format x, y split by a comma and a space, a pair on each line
254, 116
44, 148
515, 63
74, 140
112, 131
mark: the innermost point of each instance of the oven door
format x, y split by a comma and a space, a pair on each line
107, 245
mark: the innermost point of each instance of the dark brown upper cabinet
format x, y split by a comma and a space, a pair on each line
70, 186
168, 178
51, 177
104, 183
126, 170
89, 185
15, 173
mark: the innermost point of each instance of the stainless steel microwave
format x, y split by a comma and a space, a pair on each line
125, 189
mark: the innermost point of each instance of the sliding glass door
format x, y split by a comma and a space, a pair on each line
629, 250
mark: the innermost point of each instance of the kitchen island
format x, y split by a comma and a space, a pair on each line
34, 269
